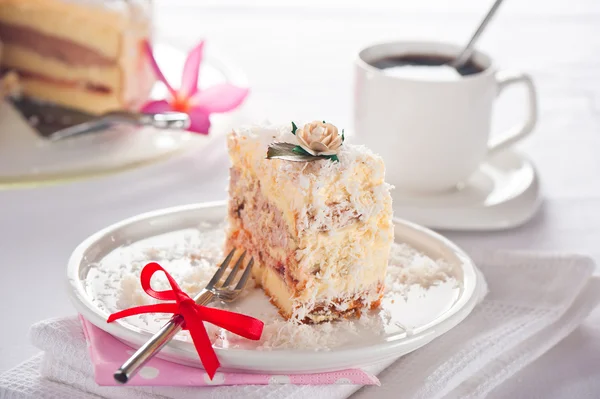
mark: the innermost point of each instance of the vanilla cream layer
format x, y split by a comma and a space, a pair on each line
320, 190
348, 278
297, 196
340, 214
350, 260
24, 59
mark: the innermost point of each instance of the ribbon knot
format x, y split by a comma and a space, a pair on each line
193, 315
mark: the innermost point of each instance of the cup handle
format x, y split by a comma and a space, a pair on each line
501, 141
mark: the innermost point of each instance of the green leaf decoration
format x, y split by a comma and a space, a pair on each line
300, 151
293, 152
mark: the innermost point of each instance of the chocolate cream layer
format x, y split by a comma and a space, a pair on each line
69, 52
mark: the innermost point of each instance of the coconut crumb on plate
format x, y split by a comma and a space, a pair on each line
191, 256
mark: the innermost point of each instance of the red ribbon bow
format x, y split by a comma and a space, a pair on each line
193, 316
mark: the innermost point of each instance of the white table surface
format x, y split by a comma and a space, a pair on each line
299, 62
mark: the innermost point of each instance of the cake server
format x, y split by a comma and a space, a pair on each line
222, 290
56, 122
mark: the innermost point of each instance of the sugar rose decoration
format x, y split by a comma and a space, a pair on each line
319, 138
316, 140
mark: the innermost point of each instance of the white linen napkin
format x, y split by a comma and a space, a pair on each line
534, 301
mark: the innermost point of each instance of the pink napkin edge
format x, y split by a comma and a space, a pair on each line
152, 374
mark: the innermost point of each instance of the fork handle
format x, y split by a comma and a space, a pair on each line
156, 343
165, 120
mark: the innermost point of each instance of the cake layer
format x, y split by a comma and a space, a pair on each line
319, 196
28, 61
259, 227
92, 25
79, 97
319, 199
336, 281
52, 47
269, 275
82, 85
320, 231
254, 214
85, 54
280, 294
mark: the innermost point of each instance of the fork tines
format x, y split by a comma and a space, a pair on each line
224, 290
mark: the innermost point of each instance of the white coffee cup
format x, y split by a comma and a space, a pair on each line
433, 133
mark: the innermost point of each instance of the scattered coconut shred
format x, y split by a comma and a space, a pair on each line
191, 257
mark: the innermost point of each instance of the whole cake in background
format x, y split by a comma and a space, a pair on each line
320, 230
81, 54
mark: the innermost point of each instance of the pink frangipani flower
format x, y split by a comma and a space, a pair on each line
198, 104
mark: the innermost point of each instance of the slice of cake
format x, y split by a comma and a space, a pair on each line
81, 54
320, 229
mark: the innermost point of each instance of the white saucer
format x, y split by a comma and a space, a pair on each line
26, 159
503, 193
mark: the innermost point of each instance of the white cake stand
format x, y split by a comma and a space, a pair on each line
29, 160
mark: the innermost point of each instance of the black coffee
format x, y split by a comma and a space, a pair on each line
470, 68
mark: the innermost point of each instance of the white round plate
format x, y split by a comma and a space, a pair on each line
415, 317
27, 159
502, 194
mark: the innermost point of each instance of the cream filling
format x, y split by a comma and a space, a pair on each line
337, 257
359, 187
353, 259
279, 292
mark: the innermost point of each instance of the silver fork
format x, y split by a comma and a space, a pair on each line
214, 289
165, 120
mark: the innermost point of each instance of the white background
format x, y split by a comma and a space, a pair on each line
298, 57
